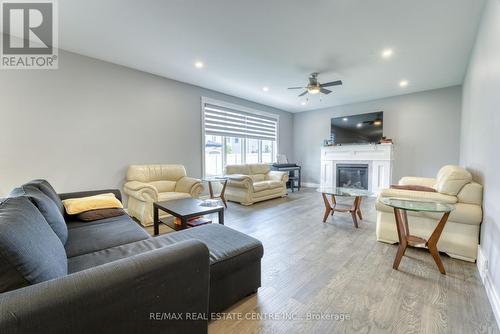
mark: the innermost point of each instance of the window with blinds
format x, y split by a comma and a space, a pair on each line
236, 135
222, 121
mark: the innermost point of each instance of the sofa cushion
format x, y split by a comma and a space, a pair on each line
170, 196
229, 249
30, 251
259, 168
47, 208
48, 190
265, 185
89, 237
163, 186
258, 177
237, 169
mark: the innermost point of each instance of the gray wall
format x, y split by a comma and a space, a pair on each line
425, 128
481, 134
82, 125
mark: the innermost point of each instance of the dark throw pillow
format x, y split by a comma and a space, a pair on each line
48, 209
30, 252
98, 214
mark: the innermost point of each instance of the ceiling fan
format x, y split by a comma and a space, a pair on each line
314, 87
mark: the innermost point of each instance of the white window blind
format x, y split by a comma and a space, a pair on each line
223, 121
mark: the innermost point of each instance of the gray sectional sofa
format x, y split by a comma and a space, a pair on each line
59, 275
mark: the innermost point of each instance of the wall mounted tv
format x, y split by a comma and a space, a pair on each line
358, 129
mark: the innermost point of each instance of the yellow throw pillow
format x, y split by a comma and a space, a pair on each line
75, 206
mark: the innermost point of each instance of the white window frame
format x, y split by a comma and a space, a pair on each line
204, 100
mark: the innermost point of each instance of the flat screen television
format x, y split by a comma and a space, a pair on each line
358, 129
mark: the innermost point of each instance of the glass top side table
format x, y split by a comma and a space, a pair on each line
401, 206
332, 207
218, 179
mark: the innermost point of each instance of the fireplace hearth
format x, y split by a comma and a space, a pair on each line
352, 176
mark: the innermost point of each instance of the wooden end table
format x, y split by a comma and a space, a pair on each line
401, 206
184, 209
353, 209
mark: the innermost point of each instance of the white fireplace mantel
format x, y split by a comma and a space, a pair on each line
379, 159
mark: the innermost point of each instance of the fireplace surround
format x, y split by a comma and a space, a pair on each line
377, 158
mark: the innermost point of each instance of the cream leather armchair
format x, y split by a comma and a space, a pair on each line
252, 183
453, 185
152, 183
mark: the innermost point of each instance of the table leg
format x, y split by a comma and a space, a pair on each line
300, 180
328, 207
433, 240
222, 194
221, 217
210, 189
156, 221
359, 209
334, 203
183, 223
354, 211
402, 233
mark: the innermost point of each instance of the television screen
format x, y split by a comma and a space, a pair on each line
358, 129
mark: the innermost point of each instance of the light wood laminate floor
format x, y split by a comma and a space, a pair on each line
334, 269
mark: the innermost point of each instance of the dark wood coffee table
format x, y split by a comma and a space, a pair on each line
184, 209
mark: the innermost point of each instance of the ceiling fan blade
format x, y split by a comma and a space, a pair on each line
333, 83
303, 93
325, 91
296, 87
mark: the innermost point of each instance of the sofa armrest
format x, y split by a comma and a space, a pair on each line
79, 194
131, 295
239, 181
141, 191
277, 176
418, 195
417, 181
189, 185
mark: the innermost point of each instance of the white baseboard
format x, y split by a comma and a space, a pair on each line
310, 185
491, 292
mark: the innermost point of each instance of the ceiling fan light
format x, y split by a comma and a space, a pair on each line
313, 89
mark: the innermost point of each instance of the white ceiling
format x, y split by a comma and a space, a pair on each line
248, 44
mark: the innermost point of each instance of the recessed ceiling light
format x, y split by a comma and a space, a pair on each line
403, 83
199, 64
265, 89
387, 53
303, 103
359, 125
345, 119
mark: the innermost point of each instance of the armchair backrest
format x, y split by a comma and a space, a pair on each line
237, 169
257, 172
451, 179
162, 177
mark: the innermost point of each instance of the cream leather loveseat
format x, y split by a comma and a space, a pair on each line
151, 183
454, 185
252, 183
